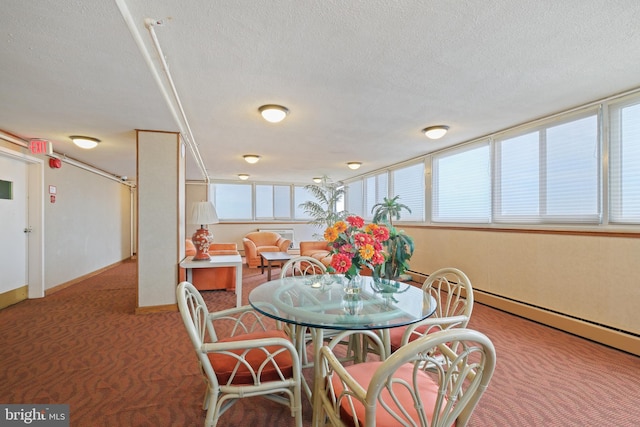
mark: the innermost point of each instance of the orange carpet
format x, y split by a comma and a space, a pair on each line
85, 347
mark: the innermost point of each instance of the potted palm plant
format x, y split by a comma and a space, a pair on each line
324, 210
399, 248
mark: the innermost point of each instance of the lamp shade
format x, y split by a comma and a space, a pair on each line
203, 213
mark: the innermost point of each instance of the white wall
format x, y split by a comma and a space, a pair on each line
88, 227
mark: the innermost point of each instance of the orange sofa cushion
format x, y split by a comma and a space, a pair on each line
224, 365
319, 250
362, 373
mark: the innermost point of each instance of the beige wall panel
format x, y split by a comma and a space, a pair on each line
588, 277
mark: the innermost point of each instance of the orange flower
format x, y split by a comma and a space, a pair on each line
340, 226
366, 252
330, 234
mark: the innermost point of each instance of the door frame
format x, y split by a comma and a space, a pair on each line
35, 219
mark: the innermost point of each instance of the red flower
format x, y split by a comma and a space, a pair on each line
362, 239
355, 221
377, 258
341, 263
381, 233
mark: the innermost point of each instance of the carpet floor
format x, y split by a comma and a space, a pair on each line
85, 347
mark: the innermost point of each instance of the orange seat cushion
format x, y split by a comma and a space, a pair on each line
224, 365
362, 373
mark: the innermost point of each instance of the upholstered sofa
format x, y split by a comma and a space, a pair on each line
207, 279
262, 241
318, 250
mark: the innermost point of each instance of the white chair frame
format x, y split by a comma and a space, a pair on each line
241, 320
460, 361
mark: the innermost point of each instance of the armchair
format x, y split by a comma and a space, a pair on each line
262, 241
248, 361
434, 381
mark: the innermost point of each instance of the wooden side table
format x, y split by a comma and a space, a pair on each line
270, 257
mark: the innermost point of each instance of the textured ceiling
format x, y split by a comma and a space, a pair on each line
361, 78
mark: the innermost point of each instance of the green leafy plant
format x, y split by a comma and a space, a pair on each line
399, 247
324, 209
385, 211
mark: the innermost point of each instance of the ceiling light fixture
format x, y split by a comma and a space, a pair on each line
354, 165
251, 158
317, 180
243, 176
273, 113
85, 142
435, 132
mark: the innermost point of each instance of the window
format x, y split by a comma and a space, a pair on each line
233, 201
376, 189
264, 201
408, 183
355, 198
273, 201
550, 174
300, 196
624, 161
462, 185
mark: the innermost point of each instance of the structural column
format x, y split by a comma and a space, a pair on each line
161, 218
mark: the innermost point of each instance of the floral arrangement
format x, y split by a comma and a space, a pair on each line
355, 245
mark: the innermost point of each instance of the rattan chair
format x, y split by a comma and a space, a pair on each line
433, 381
453, 293
239, 357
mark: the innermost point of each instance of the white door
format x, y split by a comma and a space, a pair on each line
13, 222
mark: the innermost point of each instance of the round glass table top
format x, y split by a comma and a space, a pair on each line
327, 301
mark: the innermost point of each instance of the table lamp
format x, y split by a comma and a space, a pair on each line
203, 213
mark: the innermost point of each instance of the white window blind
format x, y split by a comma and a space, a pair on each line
408, 183
462, 185
376, 189
300, 196
233, 201
282, 201
551, 174
355, 197
624, 163
264, 201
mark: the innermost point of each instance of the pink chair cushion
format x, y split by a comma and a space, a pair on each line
224, 365
362, 373
395, 335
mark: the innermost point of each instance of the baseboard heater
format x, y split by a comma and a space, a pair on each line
606, 335
287, 233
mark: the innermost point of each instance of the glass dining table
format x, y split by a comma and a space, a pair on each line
323, 303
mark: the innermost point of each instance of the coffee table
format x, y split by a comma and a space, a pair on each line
270, 257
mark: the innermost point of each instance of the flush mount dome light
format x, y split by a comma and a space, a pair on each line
273, 113
85, 141
354, 165
435, 132
251, 158
317, 180
243, 176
